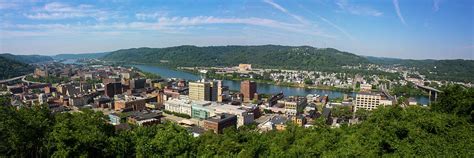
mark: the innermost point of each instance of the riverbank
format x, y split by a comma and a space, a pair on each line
270, 82
263, 87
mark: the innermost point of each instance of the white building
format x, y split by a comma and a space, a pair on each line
179, 106
244, 117
183, 105
370, 101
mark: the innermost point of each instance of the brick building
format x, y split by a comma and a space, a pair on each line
219, 122
248, 89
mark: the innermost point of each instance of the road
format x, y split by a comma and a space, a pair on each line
12, 79
17, 78
29, 82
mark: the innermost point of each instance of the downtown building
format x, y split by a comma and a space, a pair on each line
204, 91
129, 103
248, 90
179, 105
370, 101
219, 122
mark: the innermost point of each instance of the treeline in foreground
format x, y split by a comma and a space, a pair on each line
444, 130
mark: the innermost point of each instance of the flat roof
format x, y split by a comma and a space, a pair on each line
221, 117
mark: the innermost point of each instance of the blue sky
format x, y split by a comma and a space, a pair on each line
417, 29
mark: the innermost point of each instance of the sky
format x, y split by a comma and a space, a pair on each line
410, 29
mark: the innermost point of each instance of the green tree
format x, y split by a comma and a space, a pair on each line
80, 134
343, 112
455, 99
308, 81
23, 132
362, 114
439, 131
5, 100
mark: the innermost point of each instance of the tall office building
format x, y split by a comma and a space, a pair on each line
113, 88
220, 91
199, 91
137, 83
248, 89
213, 90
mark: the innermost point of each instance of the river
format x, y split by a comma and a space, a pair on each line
261, 87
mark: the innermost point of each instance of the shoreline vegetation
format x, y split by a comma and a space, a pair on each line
282, 84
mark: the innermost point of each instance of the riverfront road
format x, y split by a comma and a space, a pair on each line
12, 79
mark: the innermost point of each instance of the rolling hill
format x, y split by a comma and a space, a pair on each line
451, 70
285, 57
265, 56
11, 68
27, 59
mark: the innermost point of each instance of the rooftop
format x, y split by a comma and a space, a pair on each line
279, 119
141, 115
222, 117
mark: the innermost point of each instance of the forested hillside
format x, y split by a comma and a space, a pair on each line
452, 70
265, 56
444, 130
11, 68
286, 57
27, 59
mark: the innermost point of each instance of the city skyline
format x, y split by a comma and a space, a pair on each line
427, 29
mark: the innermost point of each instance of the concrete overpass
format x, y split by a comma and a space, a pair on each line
12, 79
433, 92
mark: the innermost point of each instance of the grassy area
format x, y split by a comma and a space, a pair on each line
177, 114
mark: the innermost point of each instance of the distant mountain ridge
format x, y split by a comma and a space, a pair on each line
80, 56
266, 56
286, 57
27, 59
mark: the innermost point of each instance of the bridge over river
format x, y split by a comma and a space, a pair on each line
433, 92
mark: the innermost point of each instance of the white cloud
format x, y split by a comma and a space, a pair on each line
57, 11
338, 28
284, 10
277, 6
165, 24
357, 9
305, 27
149, 16
397, 10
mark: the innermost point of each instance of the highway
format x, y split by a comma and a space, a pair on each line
23, 79
12, 79
29, 82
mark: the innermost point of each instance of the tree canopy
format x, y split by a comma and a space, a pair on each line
445, 130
